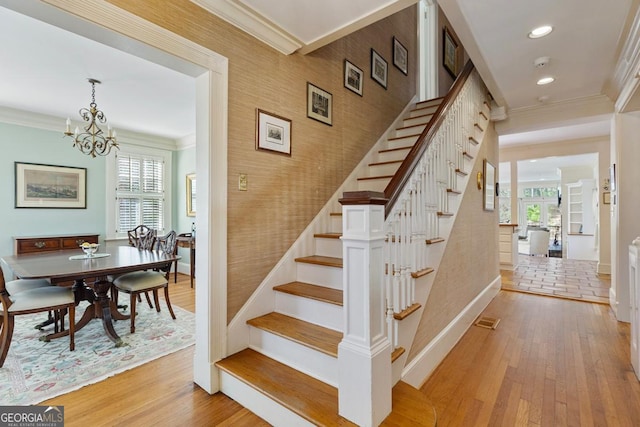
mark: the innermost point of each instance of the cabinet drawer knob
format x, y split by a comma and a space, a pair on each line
80, 241
39, 245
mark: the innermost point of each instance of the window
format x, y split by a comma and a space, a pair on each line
141, 191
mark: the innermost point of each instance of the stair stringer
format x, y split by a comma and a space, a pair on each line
407, 328
262, 301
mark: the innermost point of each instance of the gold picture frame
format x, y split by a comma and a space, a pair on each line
191, 194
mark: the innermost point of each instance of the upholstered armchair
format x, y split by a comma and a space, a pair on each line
539, 242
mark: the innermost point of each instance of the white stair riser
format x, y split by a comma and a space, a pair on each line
335, 224
373, 184
297, 356
384, 169
310, 310
409, 131
328, 247
407, 141
322, 275
258, 403
418, 120
388, 156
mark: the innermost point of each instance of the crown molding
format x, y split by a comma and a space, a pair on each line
250, 22
56, 124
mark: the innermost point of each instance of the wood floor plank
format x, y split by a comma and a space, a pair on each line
566, 363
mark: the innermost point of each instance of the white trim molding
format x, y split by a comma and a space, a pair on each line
250, 22
418, 370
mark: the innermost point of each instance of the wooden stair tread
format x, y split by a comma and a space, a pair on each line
315, 401
307, 290
390, 162
434, 240
367, 178
397, 353
422, 272
328, 235
452, 191
321, 260
445, 213
387, 150
313, 336
395, 138
407, 311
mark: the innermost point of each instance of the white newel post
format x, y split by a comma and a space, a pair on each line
364, 355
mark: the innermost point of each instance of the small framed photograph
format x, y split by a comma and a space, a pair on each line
489, 186
400, 56
273, 133
353, 77
449, 53
48, 186
319, 104
378, 68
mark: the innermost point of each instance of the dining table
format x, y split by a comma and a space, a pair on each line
90, 277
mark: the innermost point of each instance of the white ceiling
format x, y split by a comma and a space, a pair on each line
45, 68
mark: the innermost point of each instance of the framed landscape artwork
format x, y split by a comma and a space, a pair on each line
353, 77
319, 104
273, 133
378, 68
49, 186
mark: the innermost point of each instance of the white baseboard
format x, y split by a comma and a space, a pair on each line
420, 368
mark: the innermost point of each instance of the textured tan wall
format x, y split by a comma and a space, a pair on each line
285, 193
470, 261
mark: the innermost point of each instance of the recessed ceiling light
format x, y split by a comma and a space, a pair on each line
545, 81
542, 31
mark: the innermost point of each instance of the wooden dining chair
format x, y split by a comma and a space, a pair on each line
141, 237
139, 282
37, 299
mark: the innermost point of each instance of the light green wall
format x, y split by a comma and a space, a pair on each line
28, 145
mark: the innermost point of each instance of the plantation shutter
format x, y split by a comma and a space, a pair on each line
139, 192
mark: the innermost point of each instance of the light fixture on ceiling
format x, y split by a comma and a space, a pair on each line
92, 141
545, 81
541, 31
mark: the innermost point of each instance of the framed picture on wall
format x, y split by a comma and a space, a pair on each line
449, 53
489, 186
378, 68
319, 104
191, 194
273, 133
400, 56
353, 77
49, 186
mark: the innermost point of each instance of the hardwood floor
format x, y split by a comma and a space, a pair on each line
549, 362
159, 393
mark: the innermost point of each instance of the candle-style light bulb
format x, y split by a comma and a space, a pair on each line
76, 132
109, 132
68, 125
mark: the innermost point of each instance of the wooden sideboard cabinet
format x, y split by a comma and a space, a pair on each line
31, 244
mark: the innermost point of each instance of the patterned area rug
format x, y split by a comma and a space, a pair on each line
35, 371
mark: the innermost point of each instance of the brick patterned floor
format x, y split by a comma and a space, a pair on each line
559, 277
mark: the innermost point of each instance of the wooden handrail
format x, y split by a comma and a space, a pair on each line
394, 188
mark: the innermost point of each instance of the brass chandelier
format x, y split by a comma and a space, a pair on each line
92, 141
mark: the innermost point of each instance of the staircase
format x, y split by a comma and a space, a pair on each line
288, 375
